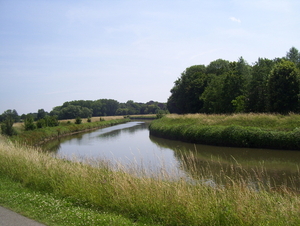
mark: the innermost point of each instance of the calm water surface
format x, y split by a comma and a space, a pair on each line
130, 143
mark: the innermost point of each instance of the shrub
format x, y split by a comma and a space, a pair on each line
7, 126
29, 123
78, 120
41, 123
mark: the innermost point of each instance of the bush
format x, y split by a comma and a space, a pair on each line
41, 123
29, 123
78, 120
7, 126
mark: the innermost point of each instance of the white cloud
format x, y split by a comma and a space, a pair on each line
235, 19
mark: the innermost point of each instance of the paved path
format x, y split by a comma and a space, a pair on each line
10, 218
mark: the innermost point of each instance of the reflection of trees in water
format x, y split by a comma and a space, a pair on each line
131, 130
54, 145
221, 168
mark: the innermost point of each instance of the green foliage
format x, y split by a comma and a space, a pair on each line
212, 101
11, 113
257, 94
283, 87
78, 120
41, 123
41, 114
51, 121
29, 123
89, 119
293, 55
239, 104
218, 87
259, 131
104, 107
160, 114
187, 89
7, 126
35, 137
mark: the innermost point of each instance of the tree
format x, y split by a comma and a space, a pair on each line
218, 67
293, 55
257, 94
73, 111
239, 104
29, 123
7, 126
12, 113
41, 114
212, 96
78, 120
283, 87
187, 90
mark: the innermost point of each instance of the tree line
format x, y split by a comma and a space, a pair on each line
267, 86
88, 108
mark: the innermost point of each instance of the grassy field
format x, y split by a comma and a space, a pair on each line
100, 186
241, 130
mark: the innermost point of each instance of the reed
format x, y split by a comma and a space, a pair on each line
241, 130
159, 199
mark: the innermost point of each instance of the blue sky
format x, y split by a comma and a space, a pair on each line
62, 50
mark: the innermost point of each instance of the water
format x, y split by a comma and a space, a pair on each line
130, 144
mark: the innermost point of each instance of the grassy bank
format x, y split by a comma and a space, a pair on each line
51, 209
143, 117
38, 136
158, 200
241, 130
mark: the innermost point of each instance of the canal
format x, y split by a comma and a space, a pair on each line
130, 145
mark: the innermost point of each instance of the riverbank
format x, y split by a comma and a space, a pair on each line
240, 130
129, 194
39, 136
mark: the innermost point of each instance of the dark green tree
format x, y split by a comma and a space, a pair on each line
187, 90
283, 87
78, 120
212, 95
29, 123
257, 94
293, 55
41, 114
234, 85
218, 67
12, 113
7, 126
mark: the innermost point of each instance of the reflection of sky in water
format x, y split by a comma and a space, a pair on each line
125, 143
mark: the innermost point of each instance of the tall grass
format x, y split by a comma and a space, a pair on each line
38, 136
159, 199
241, 130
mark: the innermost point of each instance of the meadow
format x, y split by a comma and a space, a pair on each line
99, 189
238, 130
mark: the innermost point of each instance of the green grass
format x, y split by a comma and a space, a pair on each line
136, 117
128, 194
38, 136
240, 130
50, 209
